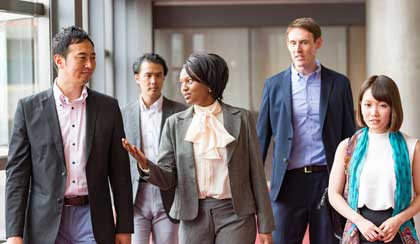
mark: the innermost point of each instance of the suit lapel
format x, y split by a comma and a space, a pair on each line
232, 123
136, 125
49, 107
326, 85
167, 110
91, 113
287, 93
184, 121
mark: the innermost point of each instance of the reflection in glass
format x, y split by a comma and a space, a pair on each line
230, 43
17, 41
252, 54
17, 61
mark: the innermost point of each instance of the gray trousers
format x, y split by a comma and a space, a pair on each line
150, 218
75, 226
217, 223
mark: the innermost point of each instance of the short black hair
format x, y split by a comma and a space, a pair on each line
68, 36
150, 57
209, 69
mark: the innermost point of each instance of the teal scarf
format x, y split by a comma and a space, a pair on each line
402, 169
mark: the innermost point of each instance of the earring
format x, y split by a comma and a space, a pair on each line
209, 90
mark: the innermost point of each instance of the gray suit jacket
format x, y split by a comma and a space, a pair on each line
36, 170
176, 167
132, 128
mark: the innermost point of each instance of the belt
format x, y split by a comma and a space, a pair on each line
312, 169
76, 200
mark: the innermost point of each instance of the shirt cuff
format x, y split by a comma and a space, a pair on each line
146, 171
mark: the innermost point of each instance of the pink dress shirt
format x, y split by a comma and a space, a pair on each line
72, 118
209, 139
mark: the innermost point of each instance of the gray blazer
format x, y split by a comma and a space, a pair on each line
176, 167
132, 128
36, 170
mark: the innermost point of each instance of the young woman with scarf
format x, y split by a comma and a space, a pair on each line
375, 178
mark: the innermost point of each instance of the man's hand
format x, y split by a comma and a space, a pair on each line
266, 238
136, 153
15, 240
122, 238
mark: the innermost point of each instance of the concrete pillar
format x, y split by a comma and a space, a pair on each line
133, 36
393, 49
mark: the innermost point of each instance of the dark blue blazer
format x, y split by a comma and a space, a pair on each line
275, 119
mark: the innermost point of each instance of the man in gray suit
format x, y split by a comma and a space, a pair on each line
143, 122
65, 152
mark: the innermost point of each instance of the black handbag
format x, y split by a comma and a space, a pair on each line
337, 221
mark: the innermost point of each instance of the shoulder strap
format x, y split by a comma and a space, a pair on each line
351, 145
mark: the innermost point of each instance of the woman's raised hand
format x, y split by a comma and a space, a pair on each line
136, 153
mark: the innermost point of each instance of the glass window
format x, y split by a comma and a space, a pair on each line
252, 54
270, 55
19, 59
231, 43
24, 47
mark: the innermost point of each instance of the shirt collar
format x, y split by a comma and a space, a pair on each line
208, 109
60, 98
299, 76
155, 107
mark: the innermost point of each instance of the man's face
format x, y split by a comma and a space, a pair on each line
303, 48
77, 68
150, 80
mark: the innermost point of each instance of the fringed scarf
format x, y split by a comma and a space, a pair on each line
402, 169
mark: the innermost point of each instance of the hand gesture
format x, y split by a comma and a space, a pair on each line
136, 153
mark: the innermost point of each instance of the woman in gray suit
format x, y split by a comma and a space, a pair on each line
210, 154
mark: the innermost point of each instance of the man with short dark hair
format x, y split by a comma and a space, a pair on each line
307, 110
143, 123
65, 152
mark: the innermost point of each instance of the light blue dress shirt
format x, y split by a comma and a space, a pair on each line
307, 145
